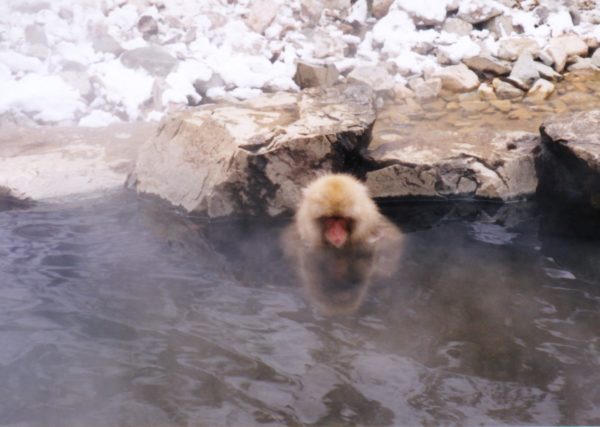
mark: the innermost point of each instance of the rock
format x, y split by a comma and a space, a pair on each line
457, 78
583, 64
107, 44
148, 26
524, 72
569, 166
457, 26
156, 60
80, 80
380, 8
314, 8
219, 160
487, 64
503, 105
486, 92
501, 26
429, 89
49, 162
547, 72
262, 13
477, 11
505, 90
459, 164
401, 92
541, 89
424, 12
35, 34
561, 47
313, 75
510, 49
375, 76
596, 58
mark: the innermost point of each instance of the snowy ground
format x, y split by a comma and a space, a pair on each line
93, 62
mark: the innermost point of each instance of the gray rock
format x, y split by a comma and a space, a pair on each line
80, 80
105, 43
487, 64
505, 90
457, 26
570, 163
156, 60
477, 11
547, 72
148, 26
524, 72
541, 89
562, 47
375, 76
49, 162
510, 49
446, 165
583, 64
314, 75
35, 34
596, 58
262, 13
380, 8
429, 89
219, 160
457, 78
501, 26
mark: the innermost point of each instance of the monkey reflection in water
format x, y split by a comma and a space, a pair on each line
344, 243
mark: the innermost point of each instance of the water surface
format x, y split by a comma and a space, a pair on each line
117, 312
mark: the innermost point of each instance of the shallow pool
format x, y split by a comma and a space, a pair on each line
117, 312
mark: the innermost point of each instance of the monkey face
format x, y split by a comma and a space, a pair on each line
336, 230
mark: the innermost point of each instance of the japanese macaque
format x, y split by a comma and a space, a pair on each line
343, 242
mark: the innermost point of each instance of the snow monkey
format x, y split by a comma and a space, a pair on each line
344, 240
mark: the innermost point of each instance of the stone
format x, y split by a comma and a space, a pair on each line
314, 8
547, 72
35, 34
156, 60
583, 64
503, 105
80, 80
429, 89
477, 11
148, 26
401, 92
48, 162
541, 89
440, 164
261, 14
107, 44
424, 12
569, 165
501, 26
596, 58
457, 26
524, 72
510, 49
505, 90
487, 64
375, 76
457, 78
380, 8
486, 92
562, 47
253, 158
315, 75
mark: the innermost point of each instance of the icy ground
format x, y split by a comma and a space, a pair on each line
94, 62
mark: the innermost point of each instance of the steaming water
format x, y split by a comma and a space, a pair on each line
120, 313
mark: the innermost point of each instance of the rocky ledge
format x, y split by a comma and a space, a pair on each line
569, 164
253, 157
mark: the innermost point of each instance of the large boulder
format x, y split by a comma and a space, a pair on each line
443, 164
253, 157
45, 163
570, 162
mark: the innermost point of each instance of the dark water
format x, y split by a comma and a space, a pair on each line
119, 313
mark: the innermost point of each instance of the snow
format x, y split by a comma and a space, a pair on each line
213, 44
